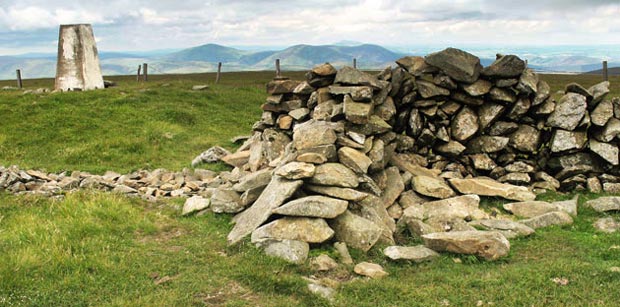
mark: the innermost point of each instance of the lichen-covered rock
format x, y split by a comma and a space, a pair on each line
489, 245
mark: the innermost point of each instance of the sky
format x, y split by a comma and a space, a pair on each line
30, 26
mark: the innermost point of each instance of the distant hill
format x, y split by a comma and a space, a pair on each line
612, 71
207, 53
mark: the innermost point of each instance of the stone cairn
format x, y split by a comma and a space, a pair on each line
359, 159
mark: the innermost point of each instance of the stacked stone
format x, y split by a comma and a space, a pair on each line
146, 184
500, 121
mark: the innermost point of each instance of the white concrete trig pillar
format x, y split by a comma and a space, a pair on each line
78, 60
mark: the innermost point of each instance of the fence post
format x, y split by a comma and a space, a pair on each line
19, 78
138, 76
354, 63
145, 71
605, 72
219, 71
278, 72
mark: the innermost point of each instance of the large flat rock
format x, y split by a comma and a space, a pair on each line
489, 187
314, 206
310, 230
489, 245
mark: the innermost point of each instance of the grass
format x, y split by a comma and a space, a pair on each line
97, 249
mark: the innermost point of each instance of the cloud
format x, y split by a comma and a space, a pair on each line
156, 24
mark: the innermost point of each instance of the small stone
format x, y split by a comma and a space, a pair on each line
289, 250
569, 112
489, 113
502, 95
356, 232
211, 155
568, 206
429, 90
371, 270
343, 251
594, 185
457, 64
488, 187
226, 201
342, 193
354, 159
606, 151
199, 87
478, 88
529, 209
505, 67
334, 174
599, 91
322, 291
418, 253
510, 229
602, 113
323, 263
611, 187
563, 140
351, 76
312, 134
487, 144
526, 139
465, 124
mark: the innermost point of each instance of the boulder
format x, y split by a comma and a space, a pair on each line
253, 180
488, 187
313, 206
356, 232
417, 253
457, 64
489, 245
312, 134
563, 140
310, 230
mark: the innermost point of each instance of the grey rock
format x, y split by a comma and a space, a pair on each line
343, 252
451, 149
506, 82
578, 89
563, 140
253, 180
489, 245
607, 224
465, 124
528, 209
594, 185
415, 65
609, 152
199, 87
505, 67
573, 164
510, 229
487, 144
528, 82
356, 232
520, 167
545, 108
569, 112
599, 91
602, 113
226, 201
515, 178
502, 95
274, 195
568, 206
548, 219
299, 114
418, 253
519, 109
604, 204
375, 125
310, 230
357, 112
342, 193
611, 187
482, 162
526, 139
312, 134
371, 270
610, 131
464, 207
357, 93
488, 187
296, 170
489, 113
464, 98
502, 128
313, 206
430, 90
322, 291
395, 186
292, 251
544, 91
478, 88
237, 159
351, 76
431, 186
334, 174
195, 204
457, 64
354, 159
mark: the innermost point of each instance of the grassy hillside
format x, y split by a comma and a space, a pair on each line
97, 249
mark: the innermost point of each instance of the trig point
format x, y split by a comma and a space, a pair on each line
78, 60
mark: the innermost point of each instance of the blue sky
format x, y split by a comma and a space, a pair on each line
122, 25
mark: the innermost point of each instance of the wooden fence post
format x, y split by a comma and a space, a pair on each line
138, 76
145, 72
354, 63
19, 78
219, 71
278, 72
605, 71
